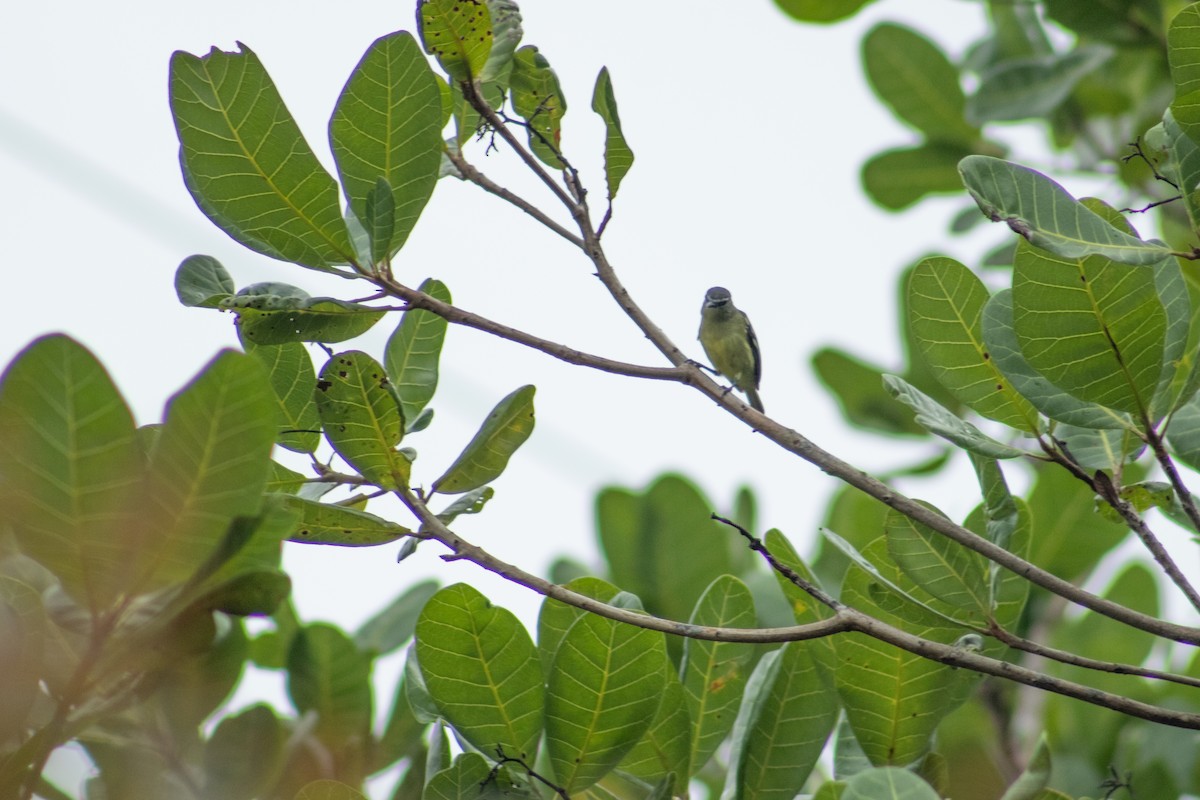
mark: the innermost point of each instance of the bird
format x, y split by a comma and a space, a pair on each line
729, 342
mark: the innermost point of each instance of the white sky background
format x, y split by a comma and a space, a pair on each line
749, 132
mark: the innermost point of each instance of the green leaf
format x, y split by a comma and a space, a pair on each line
556, 618
820, 10
1091, 326
1063, 511
858, 388
506, 35
713, 673
1036, 775
201, 281
1034, 86
248, 166
892, 783
70, 467
1100, 449
482, 670
787, 721
486, 455
538, 99
458, 33
1183, 433
618, 158
894, 699
466, 779
1183, 42
602, 695
290, 371
945, 306
244, 755
324, 523
393, 625
942, 567
208, 465
1000, 338
1180, 161
642, 535
24, 629
386, 138
328, 675
1040, 210
413, 350
937, 419
665, 748
1176, 381
276, 313
470, 503
361, 419
897, 178
326, 789
915, 79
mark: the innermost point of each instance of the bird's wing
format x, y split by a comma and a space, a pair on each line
754, 351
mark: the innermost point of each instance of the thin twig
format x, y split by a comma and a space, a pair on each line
472, 174
1168, 467
456, 315
1066, 657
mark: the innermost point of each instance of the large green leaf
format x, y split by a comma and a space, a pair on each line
1183, 433
248, 166
942, 567
1091, 326
666, 747
618, 158
387, 124
208, 465
713, 673
482, 670
642, 535
324, 523
202, 281
1034, 86
458, 33
914, 77
329, 675
327, 789
789, 717
413, 350
897, 178
894, 699
244, 755
361, 418
290, 370
937, 419
484, 458
1040, 210
1180, 161
602, 695
70, 467
820, 10
858, 388
1064, 514
1001, 340
538, 99
1183, 54
276, 313
394, 624
887, 783
24, 629
945, 306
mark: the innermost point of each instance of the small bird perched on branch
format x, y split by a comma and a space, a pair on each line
729, 342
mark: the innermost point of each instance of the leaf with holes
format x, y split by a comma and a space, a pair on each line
361, 419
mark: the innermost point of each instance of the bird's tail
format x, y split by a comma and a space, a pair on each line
755, 402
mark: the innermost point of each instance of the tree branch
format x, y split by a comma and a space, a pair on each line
472, 174
845, 619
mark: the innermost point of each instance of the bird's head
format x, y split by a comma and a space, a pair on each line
716, 297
